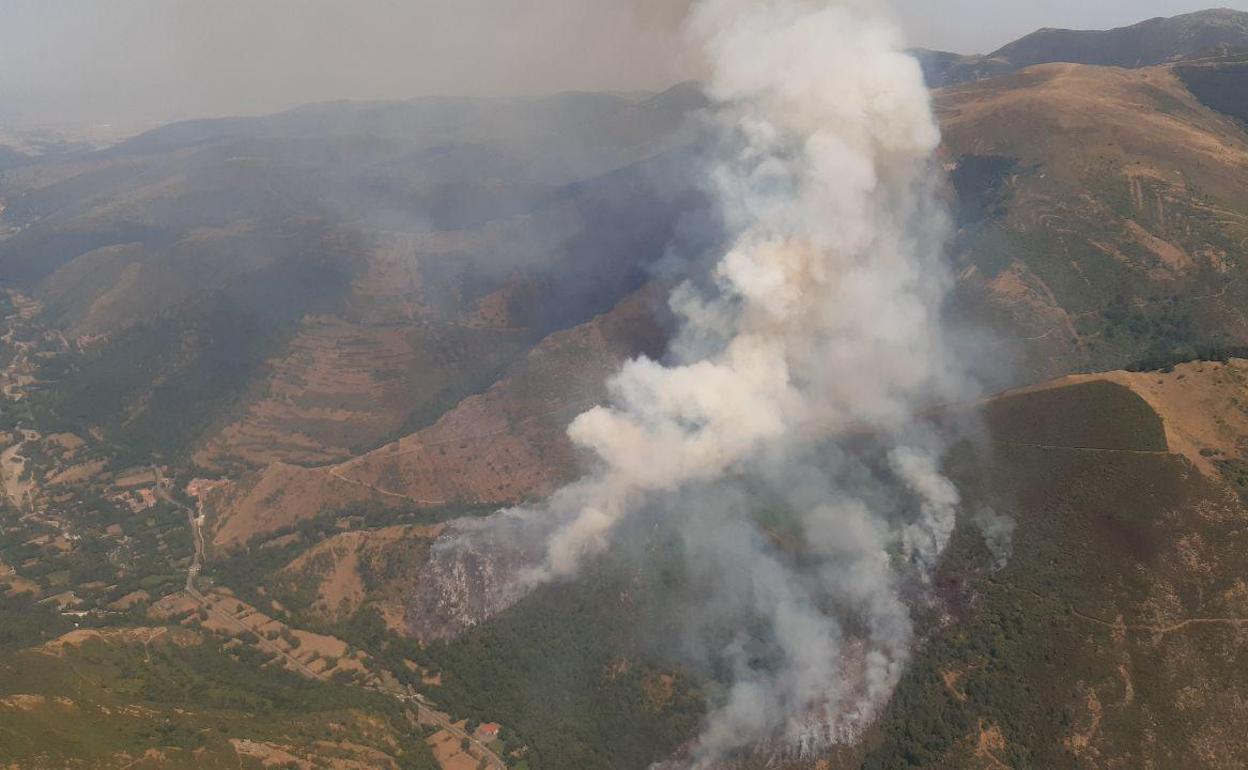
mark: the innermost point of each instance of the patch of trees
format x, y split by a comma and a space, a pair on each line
1167, 327
1165, 361
544, 669
26, 623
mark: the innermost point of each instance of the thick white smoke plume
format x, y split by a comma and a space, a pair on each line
825, 315
820, 327
823, 320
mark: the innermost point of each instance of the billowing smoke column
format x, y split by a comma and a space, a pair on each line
821, 321
820, 328
825, 315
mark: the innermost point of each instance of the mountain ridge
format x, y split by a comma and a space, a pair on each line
1147, 43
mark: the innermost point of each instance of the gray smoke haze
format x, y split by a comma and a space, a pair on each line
136, 62
818, 328
154, 60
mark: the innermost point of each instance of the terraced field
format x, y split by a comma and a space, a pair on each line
502, 446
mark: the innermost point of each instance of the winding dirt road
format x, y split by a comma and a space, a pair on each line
424, 710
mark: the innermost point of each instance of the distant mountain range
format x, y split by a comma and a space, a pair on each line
1156, 41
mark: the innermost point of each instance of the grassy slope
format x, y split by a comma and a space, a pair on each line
1076, 653
1094, 415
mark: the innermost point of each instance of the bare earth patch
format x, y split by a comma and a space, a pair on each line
79, 637
448, 750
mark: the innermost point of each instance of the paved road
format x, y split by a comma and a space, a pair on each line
429, 714
197, 561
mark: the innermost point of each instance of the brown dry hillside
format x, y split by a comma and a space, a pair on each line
1104, 214
407, 346
503, 446
1112, 637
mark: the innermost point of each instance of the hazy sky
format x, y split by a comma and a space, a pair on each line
132, 61
981, 26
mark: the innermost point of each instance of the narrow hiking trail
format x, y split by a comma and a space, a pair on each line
1102, 450
1161, 630
1142, 628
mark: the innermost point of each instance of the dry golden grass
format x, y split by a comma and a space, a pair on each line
179, 637
1203, 406
449, 752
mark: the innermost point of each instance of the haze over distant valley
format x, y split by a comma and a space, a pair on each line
103, 69
714, 385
